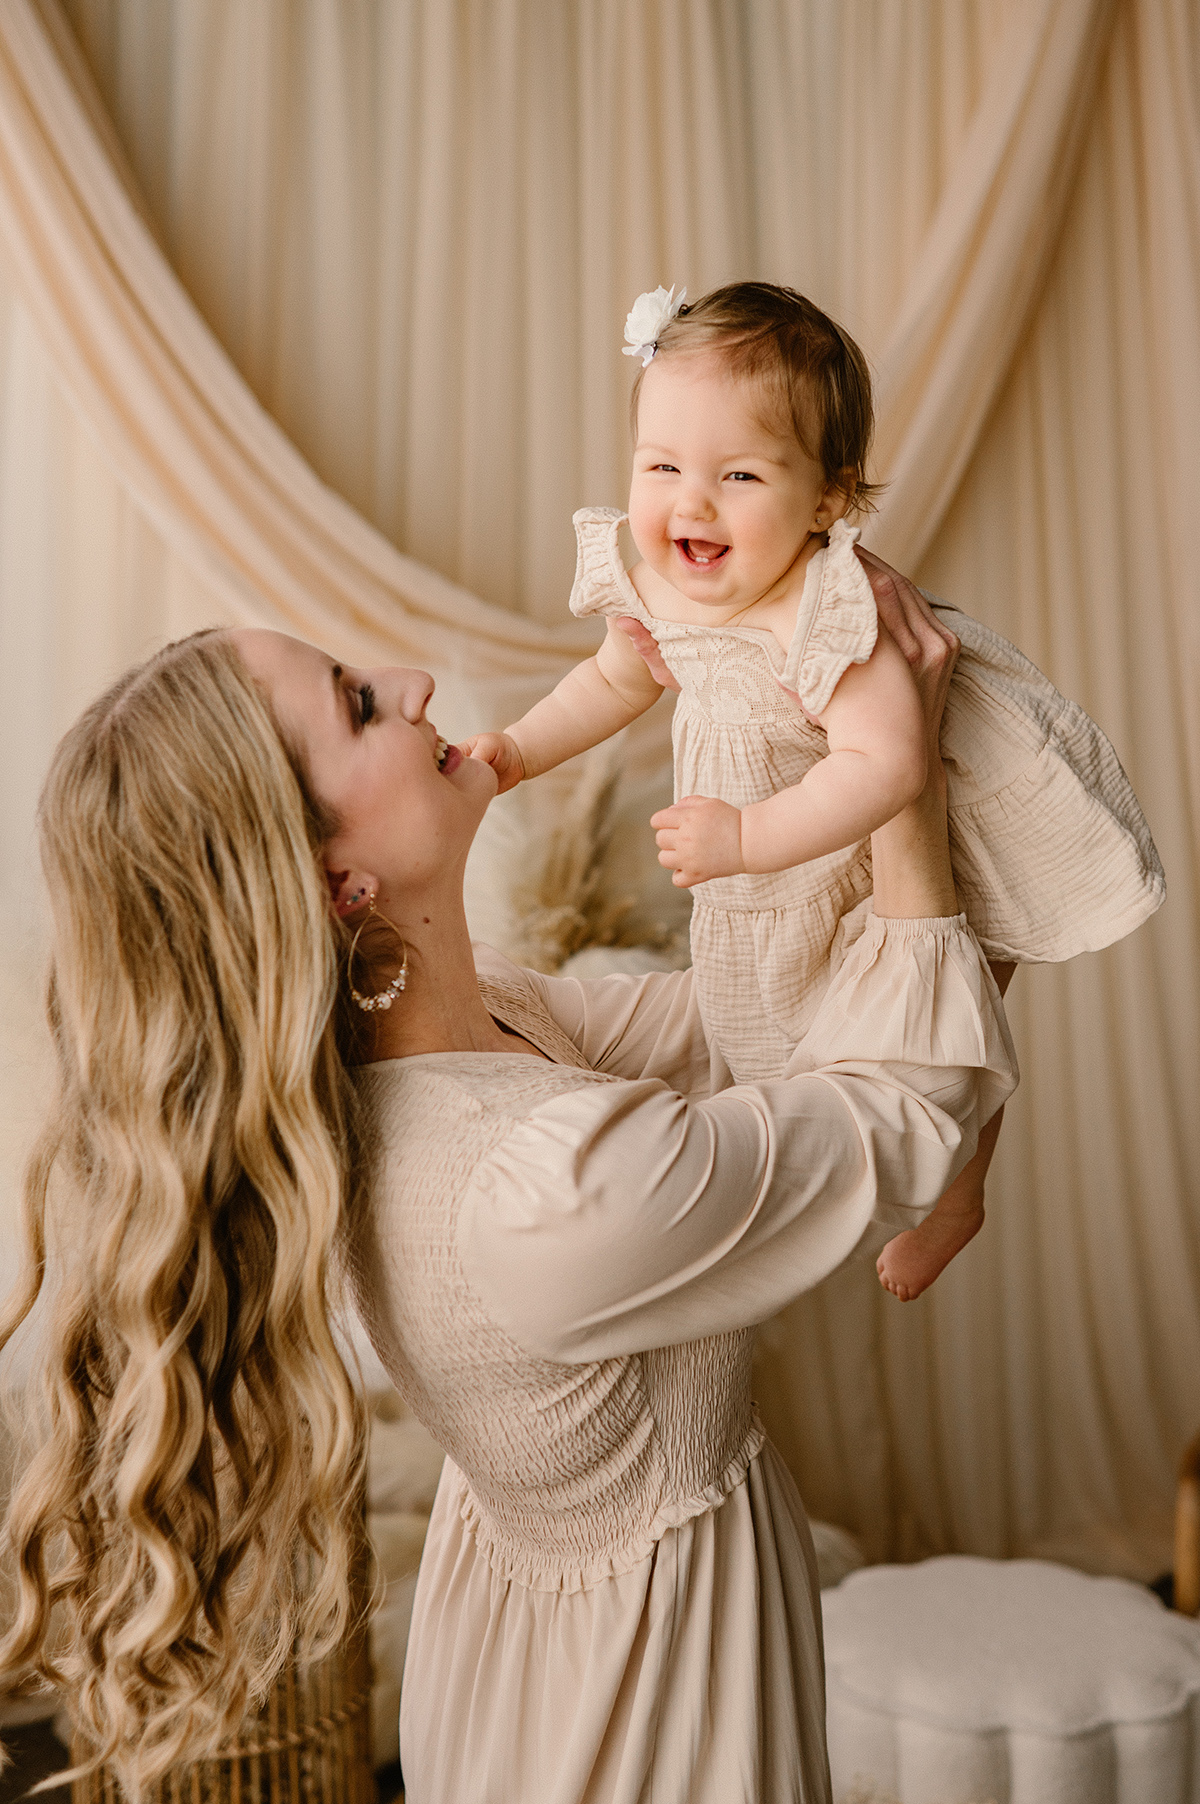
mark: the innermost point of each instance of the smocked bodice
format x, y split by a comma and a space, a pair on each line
570, 1472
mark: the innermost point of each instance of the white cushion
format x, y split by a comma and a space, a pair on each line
624, 961
961, 1680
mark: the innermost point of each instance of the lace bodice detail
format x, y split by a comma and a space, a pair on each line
738, 675
739, 731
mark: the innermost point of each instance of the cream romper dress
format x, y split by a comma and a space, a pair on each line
1051, 852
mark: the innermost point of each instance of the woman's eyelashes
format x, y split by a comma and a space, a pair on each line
366, 699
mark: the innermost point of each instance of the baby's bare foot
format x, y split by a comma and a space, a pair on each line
910, 1263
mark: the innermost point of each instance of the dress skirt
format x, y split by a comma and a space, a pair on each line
694, 1678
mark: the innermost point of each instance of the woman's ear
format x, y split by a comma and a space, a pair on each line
349, 891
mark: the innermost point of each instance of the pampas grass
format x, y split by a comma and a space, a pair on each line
569, 904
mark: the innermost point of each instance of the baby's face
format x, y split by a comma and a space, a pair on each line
720, 505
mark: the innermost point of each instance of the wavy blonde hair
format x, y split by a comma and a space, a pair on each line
191, 1508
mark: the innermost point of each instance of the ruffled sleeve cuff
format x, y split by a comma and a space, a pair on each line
617, 1217
837, 622
916, 994
602, 584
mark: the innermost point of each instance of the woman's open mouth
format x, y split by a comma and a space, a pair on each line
701, 554
447, 756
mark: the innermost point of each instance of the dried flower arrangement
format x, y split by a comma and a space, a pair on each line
569, 904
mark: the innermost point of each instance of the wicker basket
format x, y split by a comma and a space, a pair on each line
309, 1744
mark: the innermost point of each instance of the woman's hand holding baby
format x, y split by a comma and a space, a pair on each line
929, 648
910, 853
646, 646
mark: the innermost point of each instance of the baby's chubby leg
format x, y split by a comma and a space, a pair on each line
910, 1263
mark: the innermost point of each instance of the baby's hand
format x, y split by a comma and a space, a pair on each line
502, 753
699, 838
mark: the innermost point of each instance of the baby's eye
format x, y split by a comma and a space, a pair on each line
366, 699
742, 476
669, 469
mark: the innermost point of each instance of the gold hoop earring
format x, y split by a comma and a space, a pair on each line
382, 998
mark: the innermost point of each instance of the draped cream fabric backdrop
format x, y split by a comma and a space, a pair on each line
415, 230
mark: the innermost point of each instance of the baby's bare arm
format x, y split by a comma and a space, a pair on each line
876, 766
594, 700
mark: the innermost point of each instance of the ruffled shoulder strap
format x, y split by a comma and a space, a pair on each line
602, 584
837, 622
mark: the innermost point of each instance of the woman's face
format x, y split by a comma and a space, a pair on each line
406, 804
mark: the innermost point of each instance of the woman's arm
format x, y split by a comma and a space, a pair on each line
636, 1027
620, 1216
910, 855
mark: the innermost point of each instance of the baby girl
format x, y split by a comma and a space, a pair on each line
752, 418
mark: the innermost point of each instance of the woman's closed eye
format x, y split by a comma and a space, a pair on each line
366, 699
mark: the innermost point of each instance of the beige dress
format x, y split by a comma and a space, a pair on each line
1052, 855
560, 1264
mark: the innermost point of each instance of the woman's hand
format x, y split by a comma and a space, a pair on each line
911, 854
646, 646
930, 648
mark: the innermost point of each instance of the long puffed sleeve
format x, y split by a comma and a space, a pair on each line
621, 1216
626, 1026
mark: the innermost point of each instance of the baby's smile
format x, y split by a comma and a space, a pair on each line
700, 554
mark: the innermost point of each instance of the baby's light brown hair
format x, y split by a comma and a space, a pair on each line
813, 372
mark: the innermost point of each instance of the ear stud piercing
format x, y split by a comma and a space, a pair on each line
382, 999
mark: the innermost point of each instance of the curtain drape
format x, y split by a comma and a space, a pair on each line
310, 314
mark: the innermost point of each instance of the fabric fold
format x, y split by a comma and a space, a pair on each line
980, 269
1052, 853
216, 474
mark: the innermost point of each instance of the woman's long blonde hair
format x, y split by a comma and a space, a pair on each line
184, 1209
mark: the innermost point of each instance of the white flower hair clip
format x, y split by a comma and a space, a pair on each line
647, 319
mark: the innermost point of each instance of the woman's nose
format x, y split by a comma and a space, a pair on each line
414, 690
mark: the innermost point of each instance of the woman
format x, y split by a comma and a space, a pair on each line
562, 1223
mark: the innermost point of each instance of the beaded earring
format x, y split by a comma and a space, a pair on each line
382, 999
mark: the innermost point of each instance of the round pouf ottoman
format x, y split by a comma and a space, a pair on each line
966, 1681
